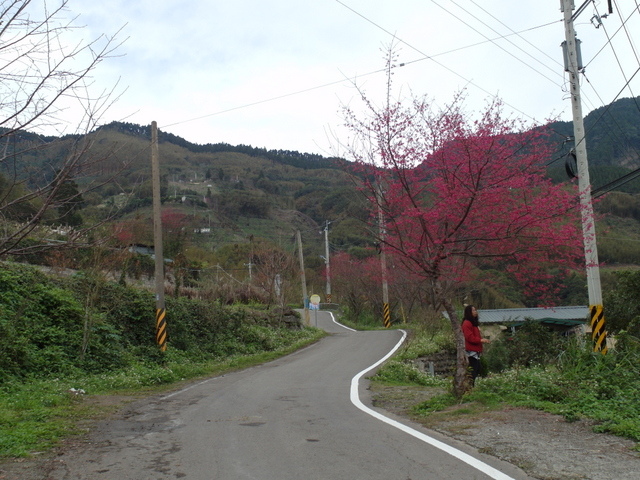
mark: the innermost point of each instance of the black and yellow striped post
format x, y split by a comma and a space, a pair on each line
161, 329
386, 313
598, 332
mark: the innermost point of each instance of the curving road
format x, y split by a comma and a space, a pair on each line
304, 416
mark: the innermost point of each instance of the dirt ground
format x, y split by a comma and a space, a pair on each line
543, 445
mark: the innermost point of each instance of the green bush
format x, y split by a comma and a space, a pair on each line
579, 383
41, 324
622, 302
403, 373
84, 324
531, 344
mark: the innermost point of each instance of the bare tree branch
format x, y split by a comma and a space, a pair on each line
46, 79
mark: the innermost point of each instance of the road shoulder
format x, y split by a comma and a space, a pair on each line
543, 445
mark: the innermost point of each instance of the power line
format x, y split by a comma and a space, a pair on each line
498, 45
613, 132
626, 31
266, 100
597, 192
492, 16
374, 72
615, 98
519, 33
615, 33
615, 54
425, 57
635, 173
593, 105
469, 82
621, 239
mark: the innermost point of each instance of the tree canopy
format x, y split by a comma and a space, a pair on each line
456, 194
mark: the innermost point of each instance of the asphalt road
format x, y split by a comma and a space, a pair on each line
304, 416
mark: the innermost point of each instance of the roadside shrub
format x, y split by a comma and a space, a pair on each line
84, 324
41, 323
403, 373
435, 404
532, 344
361, 319
497, 356
129, 312
426, 342
580, 383
231, 294
623, 303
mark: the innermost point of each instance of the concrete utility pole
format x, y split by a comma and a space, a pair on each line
250, 266
326, 261
573, 65
161, 324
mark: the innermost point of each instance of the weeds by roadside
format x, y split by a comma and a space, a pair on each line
36, 414
67, 339
575, 383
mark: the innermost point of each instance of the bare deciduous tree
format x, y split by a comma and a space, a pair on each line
46, 88
275, 269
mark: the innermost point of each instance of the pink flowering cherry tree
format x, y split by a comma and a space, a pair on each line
456, 193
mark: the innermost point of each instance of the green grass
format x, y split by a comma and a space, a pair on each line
579, 384
608, 397
35, 414
397, 372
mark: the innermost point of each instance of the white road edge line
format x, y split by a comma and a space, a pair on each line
460, 455
338, 323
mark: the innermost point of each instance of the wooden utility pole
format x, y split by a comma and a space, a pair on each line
386, 311
303, 279
573, 65
161, 324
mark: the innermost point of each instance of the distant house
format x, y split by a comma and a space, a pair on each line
146, 250
142, 249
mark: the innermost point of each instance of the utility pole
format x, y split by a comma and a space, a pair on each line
573, 65
386, 311
326, 260
250, 266
161, 324
303, 279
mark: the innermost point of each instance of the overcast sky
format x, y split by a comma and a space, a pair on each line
274, 73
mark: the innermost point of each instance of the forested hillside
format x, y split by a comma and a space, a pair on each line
229, 209
613, 145
224, 207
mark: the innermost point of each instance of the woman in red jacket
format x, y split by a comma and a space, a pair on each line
472, 340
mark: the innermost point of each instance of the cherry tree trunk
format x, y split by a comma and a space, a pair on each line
461, 379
